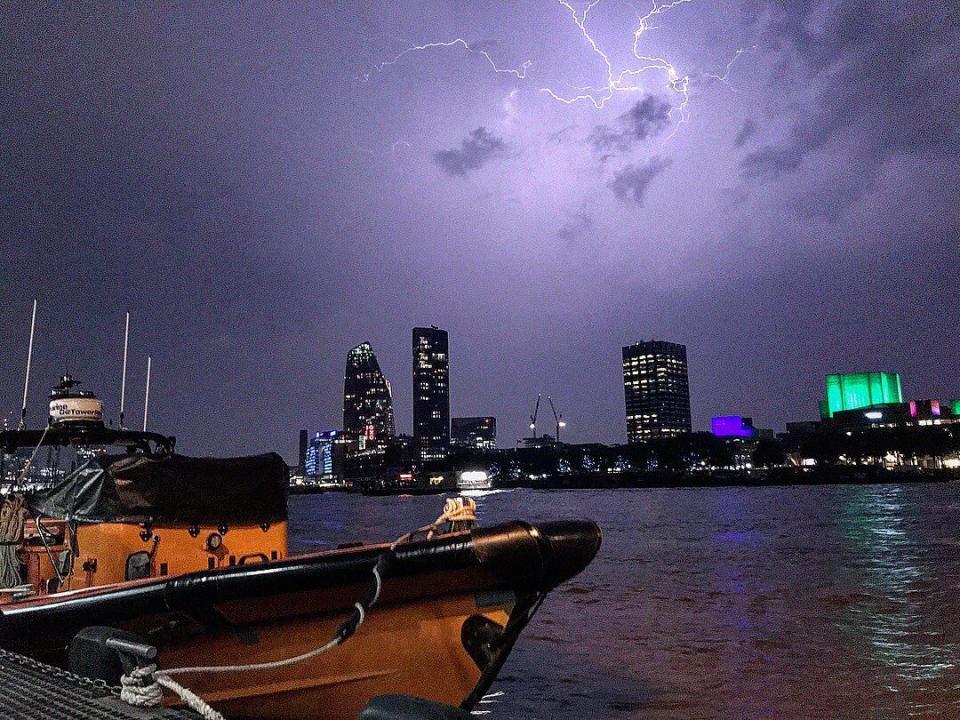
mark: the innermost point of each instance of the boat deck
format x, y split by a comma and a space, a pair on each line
30, 690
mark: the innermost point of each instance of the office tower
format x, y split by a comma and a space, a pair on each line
302, 457
367, 402
656, 390
319, 463
474, 432
431, 393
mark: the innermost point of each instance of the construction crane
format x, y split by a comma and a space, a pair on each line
558, 418
533, 418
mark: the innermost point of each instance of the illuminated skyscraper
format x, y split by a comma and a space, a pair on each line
367, 402
656, 390
319, 462
474, 432
431, 393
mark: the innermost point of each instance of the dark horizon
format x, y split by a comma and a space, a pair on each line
264, 189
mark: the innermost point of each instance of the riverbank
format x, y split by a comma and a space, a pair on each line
772, 477
832, 475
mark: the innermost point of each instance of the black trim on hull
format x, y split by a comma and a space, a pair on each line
525, 558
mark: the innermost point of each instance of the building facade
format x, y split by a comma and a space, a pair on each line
367, 401
656, 390
320, 462
853, 391
474, 432
431, 393
733, 426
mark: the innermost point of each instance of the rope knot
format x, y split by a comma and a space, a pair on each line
140, 688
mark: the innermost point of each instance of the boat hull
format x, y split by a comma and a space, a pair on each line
450, 610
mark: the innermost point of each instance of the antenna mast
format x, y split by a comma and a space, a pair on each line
26, 381
123, 381
146, 401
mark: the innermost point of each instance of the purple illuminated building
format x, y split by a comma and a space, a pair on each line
731, 426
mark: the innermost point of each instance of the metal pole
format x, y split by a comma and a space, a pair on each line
123, 382
146, 401
26, 381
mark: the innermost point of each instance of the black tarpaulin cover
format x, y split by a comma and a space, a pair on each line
170, 489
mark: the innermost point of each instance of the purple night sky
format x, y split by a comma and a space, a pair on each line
263, 188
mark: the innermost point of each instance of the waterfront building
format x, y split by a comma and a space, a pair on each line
853, 391
367, 400
914, 412
320, 462
656, 390
431, 393
474, 432
732, 426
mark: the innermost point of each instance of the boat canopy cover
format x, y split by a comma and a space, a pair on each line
170, 489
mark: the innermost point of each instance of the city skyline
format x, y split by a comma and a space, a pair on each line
370, 363
263, 189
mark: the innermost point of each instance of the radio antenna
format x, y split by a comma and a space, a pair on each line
146, 400
123, 381
26, 380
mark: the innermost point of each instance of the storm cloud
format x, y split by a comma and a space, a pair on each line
474, 152
645, 119
746, 131
631, 183
880, 93
578, 224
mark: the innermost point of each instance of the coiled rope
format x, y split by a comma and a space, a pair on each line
11, 535
11, 526
458, 513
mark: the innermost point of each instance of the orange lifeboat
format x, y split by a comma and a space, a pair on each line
190, 556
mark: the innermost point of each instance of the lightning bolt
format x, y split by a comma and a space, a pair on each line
519, 73
726, 73
394, 147
624, 81
617, 80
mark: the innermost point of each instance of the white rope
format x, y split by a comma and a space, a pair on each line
135, 690
193, 701
273, 665
457, 510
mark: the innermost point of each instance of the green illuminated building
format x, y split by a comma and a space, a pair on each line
852, 391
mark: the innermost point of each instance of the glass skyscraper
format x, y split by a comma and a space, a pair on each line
656, 390
367, 402
431, 393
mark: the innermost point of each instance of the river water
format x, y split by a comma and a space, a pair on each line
788, 602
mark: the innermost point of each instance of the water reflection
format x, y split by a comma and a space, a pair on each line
899, 619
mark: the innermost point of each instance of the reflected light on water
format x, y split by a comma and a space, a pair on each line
900, 617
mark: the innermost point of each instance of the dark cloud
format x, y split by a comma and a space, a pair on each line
475, 151
579, 223
556, 137
644, 120
878, 91
630, 184
746, 131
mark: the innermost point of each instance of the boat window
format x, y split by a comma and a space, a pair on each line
138, 565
